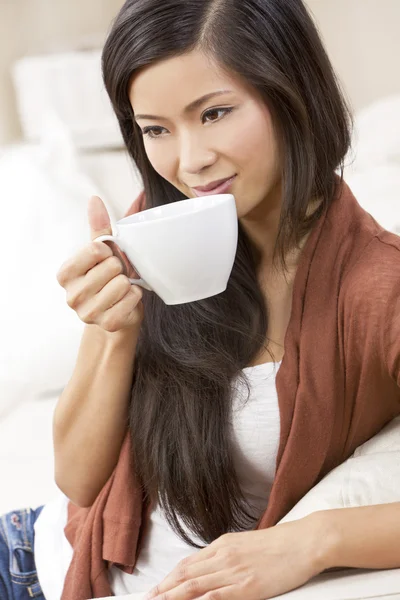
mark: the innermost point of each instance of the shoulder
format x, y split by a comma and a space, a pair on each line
369, 303
370, 300
375, 277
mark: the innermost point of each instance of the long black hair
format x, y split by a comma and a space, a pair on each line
187, 355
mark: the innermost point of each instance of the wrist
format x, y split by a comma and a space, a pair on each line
122, 338
326, 540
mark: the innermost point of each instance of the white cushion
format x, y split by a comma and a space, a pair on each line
69, 85
116, 175
376, 138
370, 476
27, 456
44, 199
373, 164
377, 189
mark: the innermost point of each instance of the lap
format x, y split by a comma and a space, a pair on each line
18, 575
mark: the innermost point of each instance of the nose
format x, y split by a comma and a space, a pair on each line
195, 155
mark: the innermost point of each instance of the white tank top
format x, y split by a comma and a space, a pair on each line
256, 434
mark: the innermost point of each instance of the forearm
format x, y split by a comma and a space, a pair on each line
90, 419
366, 537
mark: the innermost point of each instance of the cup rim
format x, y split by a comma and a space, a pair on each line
222, 198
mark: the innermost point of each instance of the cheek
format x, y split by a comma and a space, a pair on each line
253, 146
161, 158
260, 145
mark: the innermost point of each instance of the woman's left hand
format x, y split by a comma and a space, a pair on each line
254, 565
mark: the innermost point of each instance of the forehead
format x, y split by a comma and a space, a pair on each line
177, 81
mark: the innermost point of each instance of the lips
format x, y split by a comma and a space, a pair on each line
216, 187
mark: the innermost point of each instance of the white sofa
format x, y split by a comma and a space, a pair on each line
44, 188
370, 476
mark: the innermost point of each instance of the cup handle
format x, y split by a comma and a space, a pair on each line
113, 238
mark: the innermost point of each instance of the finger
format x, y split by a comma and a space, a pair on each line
77, 266
116, 290
84, 288
229, 592
187, 570
92, 311
100, 225
99, 221
127, 312
199, 587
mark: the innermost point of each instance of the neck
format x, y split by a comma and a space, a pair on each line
261, 225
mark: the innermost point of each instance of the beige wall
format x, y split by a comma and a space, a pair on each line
37, 26
362, 38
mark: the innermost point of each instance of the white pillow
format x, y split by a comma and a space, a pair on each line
373, 163
70, 85
376, 137
370, 476
378, 191
44, 215
116, 174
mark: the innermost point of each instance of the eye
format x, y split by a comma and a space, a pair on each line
151, 132
154, 132
215, 111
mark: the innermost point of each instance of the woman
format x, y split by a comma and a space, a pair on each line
238, 404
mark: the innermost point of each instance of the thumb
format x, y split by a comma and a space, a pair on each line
99, 220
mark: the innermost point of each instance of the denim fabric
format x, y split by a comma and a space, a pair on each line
18, 576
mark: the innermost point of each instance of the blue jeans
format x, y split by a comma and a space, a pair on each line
18, 576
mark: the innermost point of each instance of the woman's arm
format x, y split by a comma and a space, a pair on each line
363, 537
91, 417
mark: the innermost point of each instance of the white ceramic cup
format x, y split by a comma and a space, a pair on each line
183, 251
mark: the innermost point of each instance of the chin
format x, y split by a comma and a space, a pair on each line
243, 211
240, 213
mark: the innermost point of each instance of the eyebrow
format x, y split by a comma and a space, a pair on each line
190, 107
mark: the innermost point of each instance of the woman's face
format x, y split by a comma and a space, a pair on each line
227, 135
